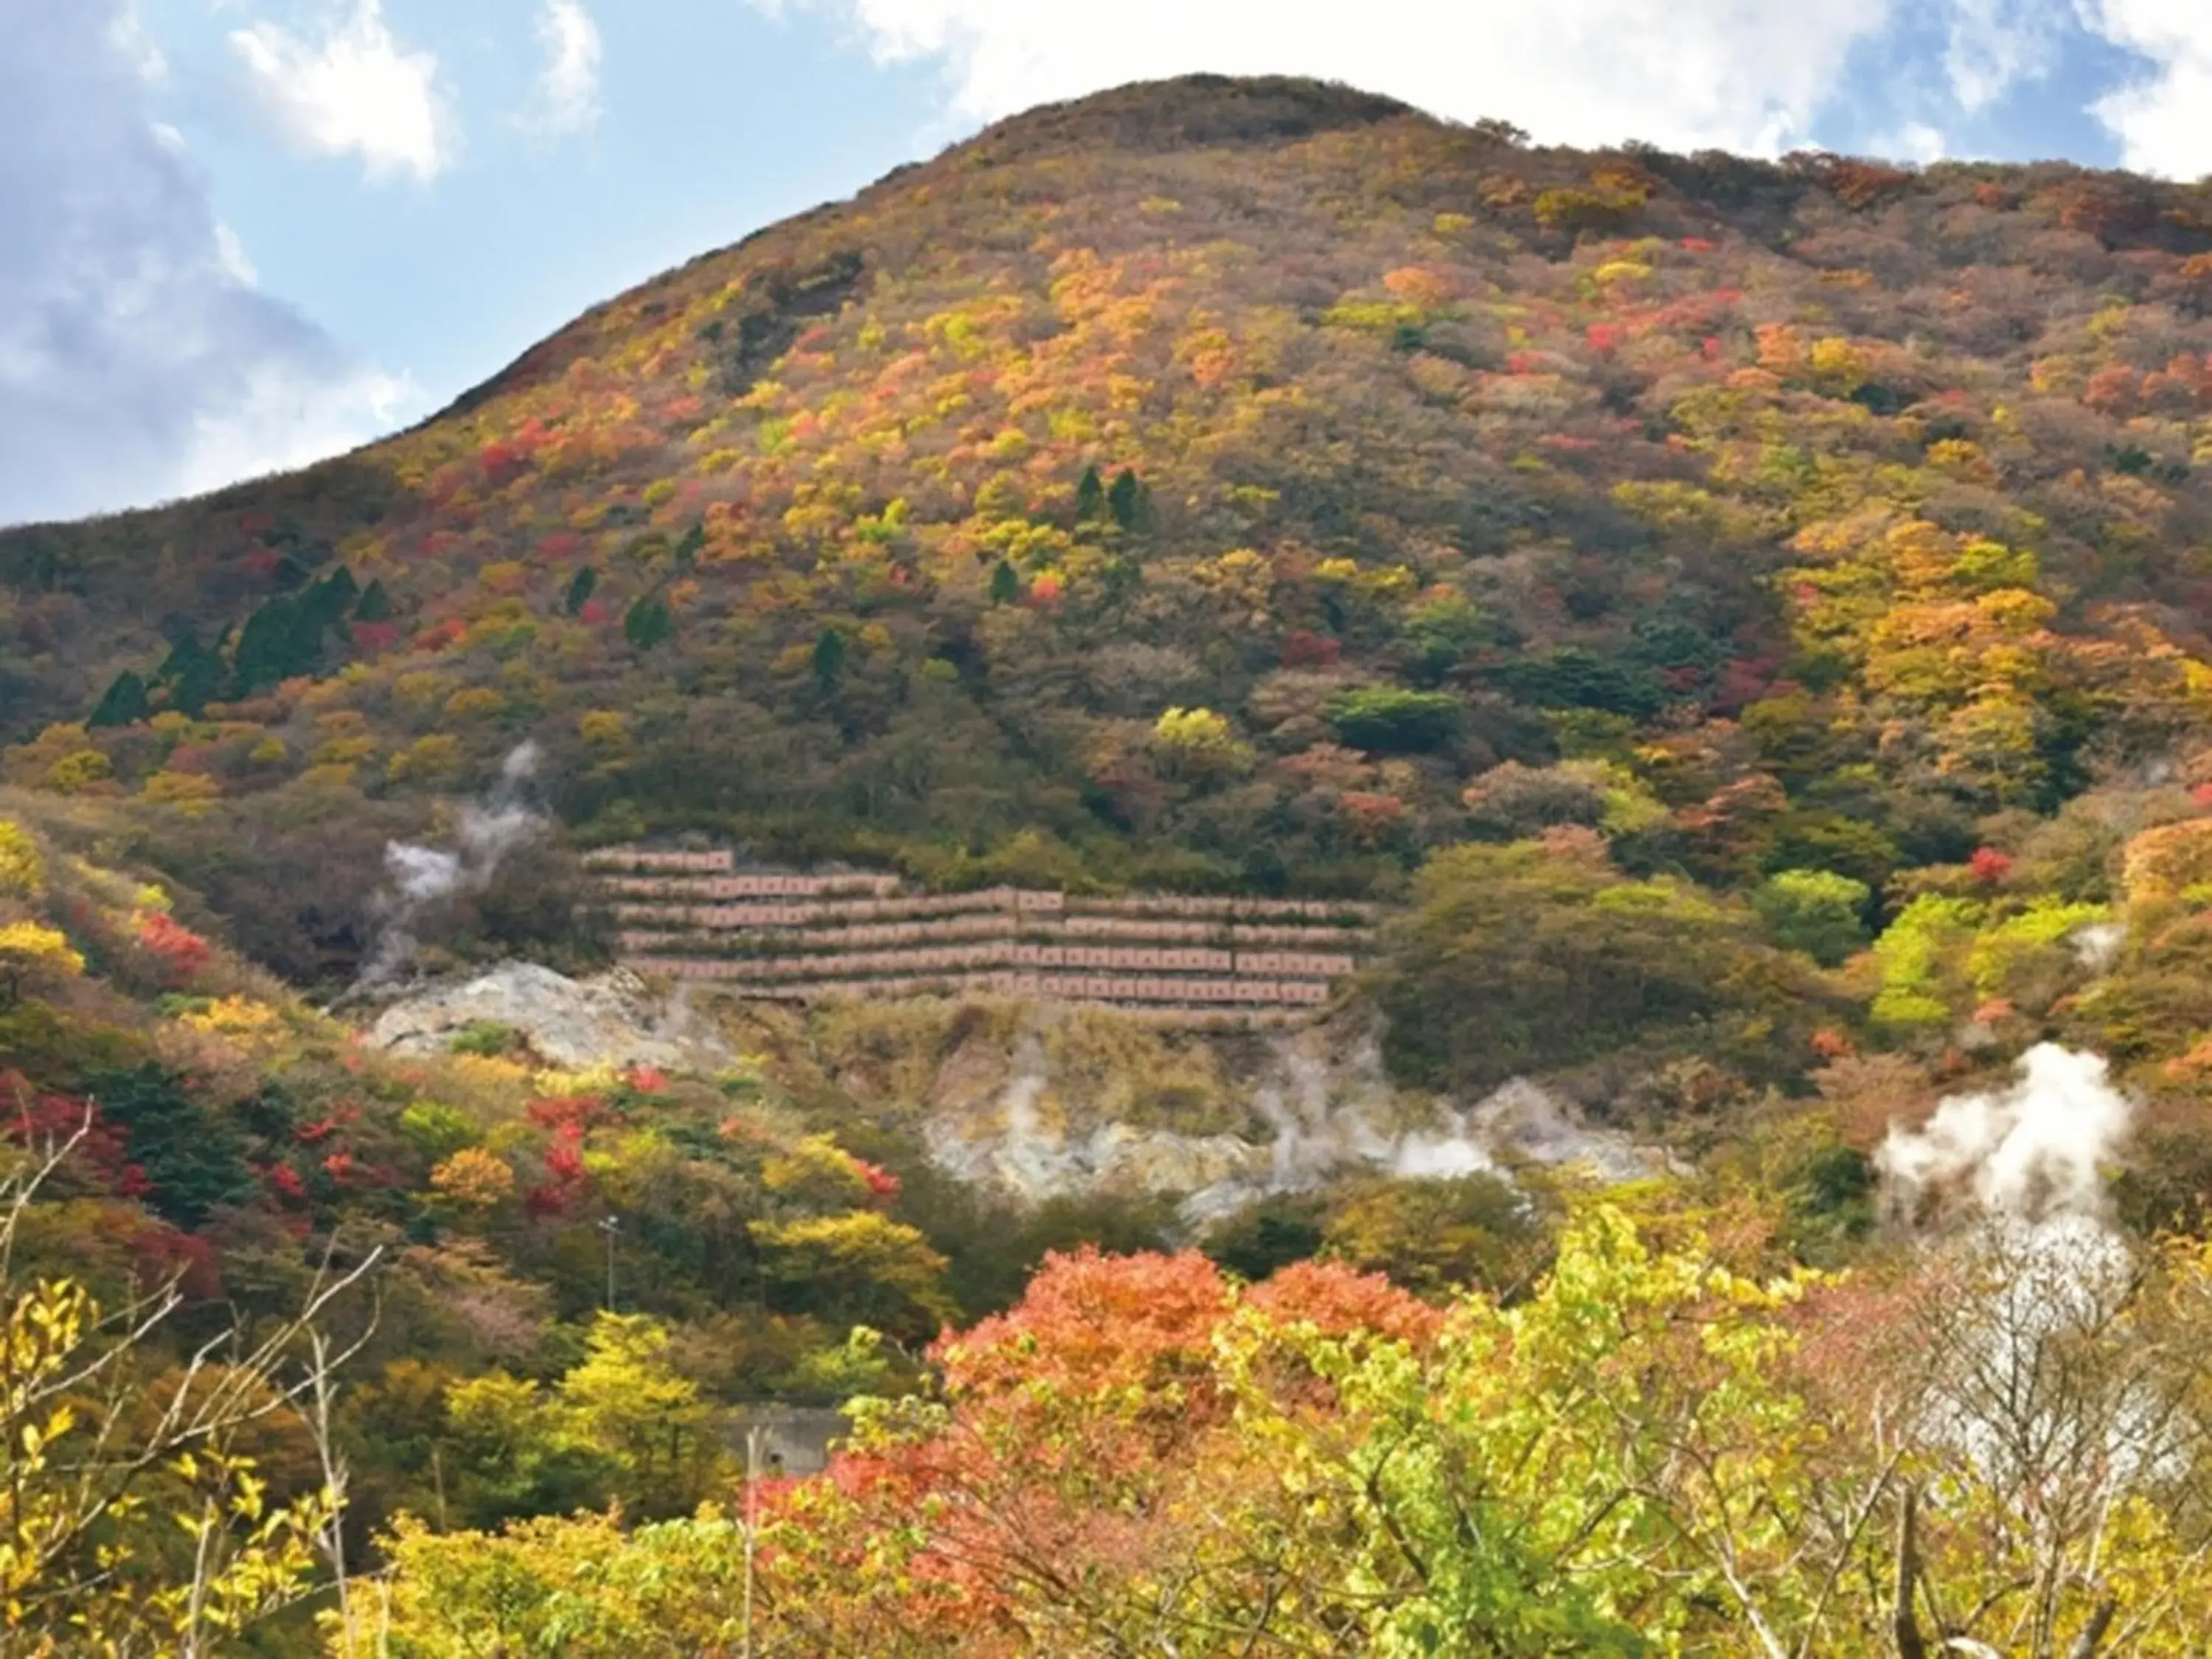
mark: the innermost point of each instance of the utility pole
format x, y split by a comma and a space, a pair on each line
754, 1436
610, 1225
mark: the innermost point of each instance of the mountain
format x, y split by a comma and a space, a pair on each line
1224, 485
1746, 623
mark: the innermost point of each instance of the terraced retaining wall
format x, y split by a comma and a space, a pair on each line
800, 936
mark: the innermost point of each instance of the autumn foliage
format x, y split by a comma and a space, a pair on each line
1745, 621
1834, 506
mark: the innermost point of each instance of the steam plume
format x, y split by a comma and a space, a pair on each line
421, 877
2097, 946
2030, 1153
2047, 1277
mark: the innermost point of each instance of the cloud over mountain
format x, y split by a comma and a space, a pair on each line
137, 359
1738, 74
1727, 73
2159, 116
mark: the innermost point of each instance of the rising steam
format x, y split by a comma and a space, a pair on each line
2030, 1153
2049, 1276
421, 877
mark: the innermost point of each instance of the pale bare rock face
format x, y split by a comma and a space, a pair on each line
611, 1019
1016, 1150
1334, 1114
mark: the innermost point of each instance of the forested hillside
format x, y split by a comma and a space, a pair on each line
1749, 623
1207, 483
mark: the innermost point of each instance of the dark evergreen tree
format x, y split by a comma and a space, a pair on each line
1090, 497
581, 587
265, 647
191, 1153
1005, 585
375, 605
125, 703
285, 637
1270, 1235
648, 623
331, 597
1388, 720
1129, 501
192, 673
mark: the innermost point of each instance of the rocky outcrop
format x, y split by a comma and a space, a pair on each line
1044, 1101
1031, 1154
611, 1019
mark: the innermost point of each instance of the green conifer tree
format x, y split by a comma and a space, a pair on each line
192, 673
265, 647
125, 703
648, 623
1129, 501
375, 605
1090, 497
585, 583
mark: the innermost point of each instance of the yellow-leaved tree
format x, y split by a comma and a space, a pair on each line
1665, 1449
133, 1522
32, 953
23, 871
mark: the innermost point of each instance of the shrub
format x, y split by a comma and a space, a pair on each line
30, 951
486, 1037
474, 1179
22, 870
1389, 720
1533, 957
1817, 912
181, 952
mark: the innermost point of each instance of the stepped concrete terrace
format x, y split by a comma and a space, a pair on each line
804, 936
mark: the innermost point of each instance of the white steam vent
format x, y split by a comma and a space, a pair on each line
2031, 1151
489, 830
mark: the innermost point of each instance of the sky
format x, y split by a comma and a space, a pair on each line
236, 235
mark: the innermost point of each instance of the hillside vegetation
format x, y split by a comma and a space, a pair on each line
188, 1150
1747, 619
1207, 483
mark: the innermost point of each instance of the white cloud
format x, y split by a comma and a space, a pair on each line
137, 359
567, 98
2163, 122
230, 253
128, 36
279, 414
353, 91
1913, 141
1995, 44
1738, 74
